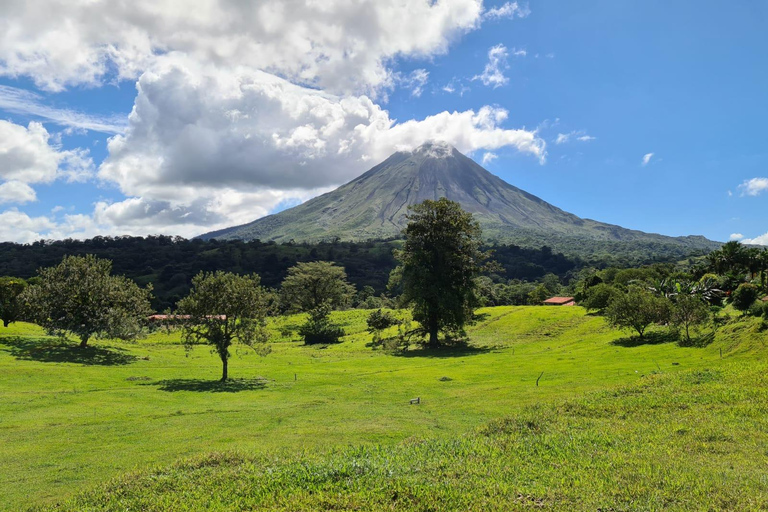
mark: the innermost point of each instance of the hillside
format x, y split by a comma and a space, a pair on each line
151, 402
374, 206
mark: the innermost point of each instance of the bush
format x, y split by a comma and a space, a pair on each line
598, 297
759, 308
744, 296
319, 329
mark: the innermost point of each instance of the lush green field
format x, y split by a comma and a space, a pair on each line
70, 420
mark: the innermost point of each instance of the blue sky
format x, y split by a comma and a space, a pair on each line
650, 115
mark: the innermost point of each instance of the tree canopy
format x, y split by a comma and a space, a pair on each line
223, 307
81, 297
11, 305
311, 285
440, 260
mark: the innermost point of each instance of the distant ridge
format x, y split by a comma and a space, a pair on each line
374, 205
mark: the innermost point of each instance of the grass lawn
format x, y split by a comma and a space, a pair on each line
71, 420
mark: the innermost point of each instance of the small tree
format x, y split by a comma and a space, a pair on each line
598, 297
79, 296
319, 329
744, 296
636, 309
440, 260
379, 321
11, 303
689, 311
223, 307
538, 295
308, 286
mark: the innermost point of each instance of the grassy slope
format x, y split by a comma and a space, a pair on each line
62, 413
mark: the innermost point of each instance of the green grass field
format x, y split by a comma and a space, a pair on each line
611, 423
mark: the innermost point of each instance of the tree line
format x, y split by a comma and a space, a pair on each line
685, 300
170, 263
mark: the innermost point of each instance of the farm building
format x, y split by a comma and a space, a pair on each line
560, 301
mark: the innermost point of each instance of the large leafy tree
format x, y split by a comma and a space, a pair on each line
636, 310
79, 296
222, 308
11, 304
312, 285
439, 262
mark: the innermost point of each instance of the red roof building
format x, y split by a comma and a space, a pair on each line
560, 301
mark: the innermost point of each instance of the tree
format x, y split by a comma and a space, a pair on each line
440, 260
636, 309
80, 296
222, 308
379, 321
308, 286
689, 311
744, 296
11, 305
538, 295
598, 297
319, 329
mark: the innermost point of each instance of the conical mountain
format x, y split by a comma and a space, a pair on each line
374, 205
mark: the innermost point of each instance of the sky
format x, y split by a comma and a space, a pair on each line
146, 117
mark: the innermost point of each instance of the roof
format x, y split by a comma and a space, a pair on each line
559, 300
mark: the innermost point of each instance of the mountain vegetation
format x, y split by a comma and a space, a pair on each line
375, 204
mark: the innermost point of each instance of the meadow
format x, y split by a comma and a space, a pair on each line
545, 407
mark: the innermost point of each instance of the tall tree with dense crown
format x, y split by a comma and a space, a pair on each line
440, 260
222, 308
11, 304
80, 296
311, 285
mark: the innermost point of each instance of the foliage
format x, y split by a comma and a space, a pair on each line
744, 296
11, 305
538, 295
319, 329
222, 308
598, 297
79, 296
636, 309
440, 260
689, 311
379, 321
312, 285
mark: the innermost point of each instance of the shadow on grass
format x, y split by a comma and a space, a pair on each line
209, 386
57, 351
700, 341
650, 338
442, 352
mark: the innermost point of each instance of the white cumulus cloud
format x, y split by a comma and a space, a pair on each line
27, 156
736, 236
754, 186
758, 240
339, 45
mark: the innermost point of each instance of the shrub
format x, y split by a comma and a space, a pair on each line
319, 329
744, 296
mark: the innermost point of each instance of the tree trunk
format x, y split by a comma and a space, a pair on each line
6, 323
432, 326
84, 341
224, 362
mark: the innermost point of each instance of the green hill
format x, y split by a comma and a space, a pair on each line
70, 420
374, 205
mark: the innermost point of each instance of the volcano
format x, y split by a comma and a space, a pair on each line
374, 205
